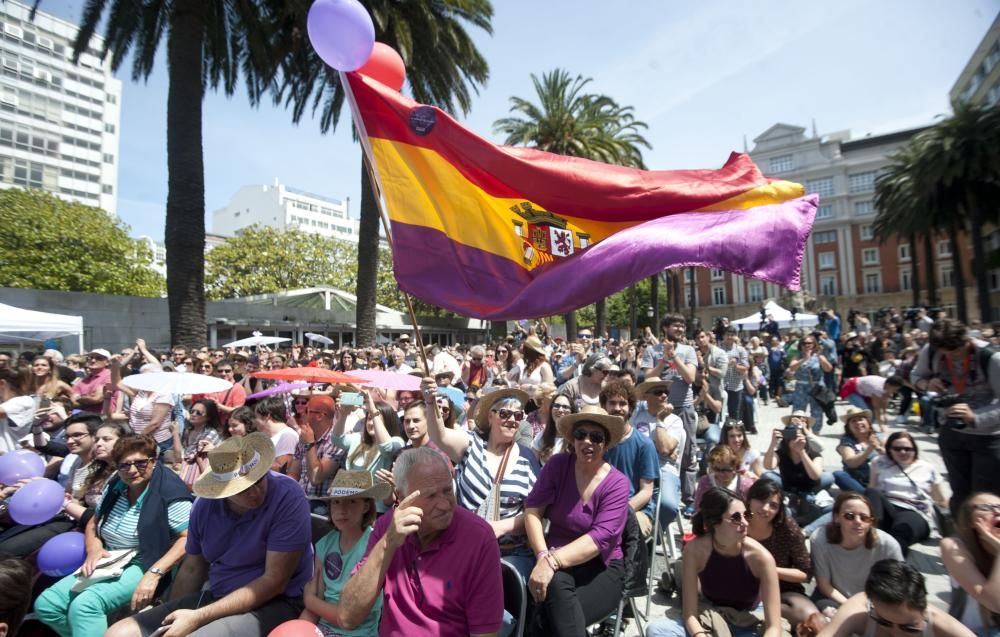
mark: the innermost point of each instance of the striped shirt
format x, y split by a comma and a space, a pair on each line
120, 529
475, 481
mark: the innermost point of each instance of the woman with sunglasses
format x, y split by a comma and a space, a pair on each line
298, 412
579, 572
971, 560
734, 435
496, 472
893, 604
807, 371
142, 516
549, 442
200, 435
544, 395
228, 400
844, 550
781, 536
903, 490
723, 471
734, 572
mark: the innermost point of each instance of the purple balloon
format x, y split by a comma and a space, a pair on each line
62, 554
342, 33
37, 502
19, 465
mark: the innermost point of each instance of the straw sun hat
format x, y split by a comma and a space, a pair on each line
356, 484
235, 465
487, 401
854, 412
592, 413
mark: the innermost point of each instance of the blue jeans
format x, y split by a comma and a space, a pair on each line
670, 496
825, 480
847, 482
857, 400
675, 628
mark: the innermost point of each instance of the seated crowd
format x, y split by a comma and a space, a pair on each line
366, 511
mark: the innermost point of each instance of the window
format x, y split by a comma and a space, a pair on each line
688, 275
944, 248
824, 212
994, 280
906, 280
718, 275
863, 208
109, 128
756, 291
873, 283
107, 189
947, 278
719, 294
826, 261
867, 233
826, 236
828, 285
869, 256
109, 158
903, 251
861, 182
781, 164
822, 187
691, 296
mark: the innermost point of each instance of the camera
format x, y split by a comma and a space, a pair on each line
940, 403
790, 432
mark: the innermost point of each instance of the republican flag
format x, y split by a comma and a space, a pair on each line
500, 233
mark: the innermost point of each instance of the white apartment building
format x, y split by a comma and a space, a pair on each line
979, 81
59, 121
279, 206
159, 249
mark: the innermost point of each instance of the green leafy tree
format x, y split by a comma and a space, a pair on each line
569, 121
51, 244
443, 67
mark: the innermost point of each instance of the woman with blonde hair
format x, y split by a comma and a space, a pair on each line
544, 394
45, 379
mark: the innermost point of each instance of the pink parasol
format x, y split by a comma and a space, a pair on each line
310, 374
388, 380
280, 388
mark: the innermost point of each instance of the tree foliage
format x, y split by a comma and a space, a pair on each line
51, 244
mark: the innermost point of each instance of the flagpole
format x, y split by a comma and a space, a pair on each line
368, 162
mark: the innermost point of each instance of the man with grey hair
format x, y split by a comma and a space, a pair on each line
438, 563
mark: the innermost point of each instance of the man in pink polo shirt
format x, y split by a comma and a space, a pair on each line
436, 564
88, 392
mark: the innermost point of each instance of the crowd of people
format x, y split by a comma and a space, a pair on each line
366, 511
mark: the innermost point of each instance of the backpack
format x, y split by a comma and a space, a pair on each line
983, 355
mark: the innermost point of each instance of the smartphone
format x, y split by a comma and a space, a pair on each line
45, 402
352, 399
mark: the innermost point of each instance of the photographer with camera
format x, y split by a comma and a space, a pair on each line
964, 373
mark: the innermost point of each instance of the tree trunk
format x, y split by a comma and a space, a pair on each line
979, 266
184, 235
654, 301
932, 296
958, 273
570, 325
633, 319
601, 313
914, 270
364, 318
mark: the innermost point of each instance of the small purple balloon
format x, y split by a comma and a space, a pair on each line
342, 33
37, 502
19, 465
62, 554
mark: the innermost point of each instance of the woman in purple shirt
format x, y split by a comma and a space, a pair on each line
578, 578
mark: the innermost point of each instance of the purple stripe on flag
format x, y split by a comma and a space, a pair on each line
766, 243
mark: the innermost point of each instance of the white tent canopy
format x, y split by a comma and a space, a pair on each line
29, 325
781, 315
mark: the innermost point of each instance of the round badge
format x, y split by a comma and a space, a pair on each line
422, 120
334, 565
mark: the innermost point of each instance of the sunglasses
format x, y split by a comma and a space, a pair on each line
885, 623
197, 413
660, 392
723, 469
507, 413
596, 436
738, 517
851, 516
902, 449
140, 465
987, 508
225, 371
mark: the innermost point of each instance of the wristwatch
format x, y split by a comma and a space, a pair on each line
308, 445
156, 570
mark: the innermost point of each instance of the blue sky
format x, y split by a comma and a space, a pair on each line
702, 74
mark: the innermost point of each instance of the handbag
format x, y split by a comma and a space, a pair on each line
108, 568
943, 519
823, 395
489, 509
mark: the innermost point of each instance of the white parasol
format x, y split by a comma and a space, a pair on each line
257, 339
176, 383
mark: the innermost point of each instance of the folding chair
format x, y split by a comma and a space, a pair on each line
515, 596
636, 554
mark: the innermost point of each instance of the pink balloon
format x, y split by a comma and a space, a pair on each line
385, 66
296, 628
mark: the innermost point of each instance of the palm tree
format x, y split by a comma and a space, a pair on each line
443, 67
210, 43
569, 121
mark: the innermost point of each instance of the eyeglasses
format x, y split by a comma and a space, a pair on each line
738, 517
501, 351
902, 449
987, 508
723, 469
561, 407
885, 623
140, 465
78, 435
596, 436
507, 413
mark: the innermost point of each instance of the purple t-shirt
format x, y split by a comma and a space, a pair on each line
236, 546
602, 518
452, 587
